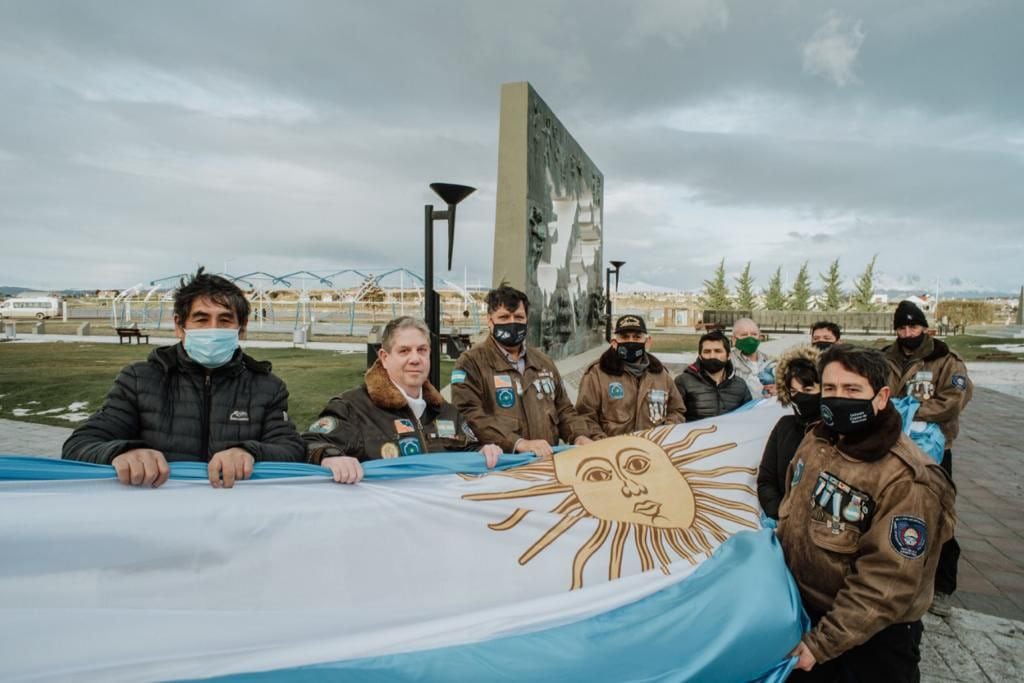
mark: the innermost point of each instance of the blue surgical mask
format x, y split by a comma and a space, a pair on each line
211, 347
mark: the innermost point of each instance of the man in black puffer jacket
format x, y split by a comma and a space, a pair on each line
202, 400
710, 387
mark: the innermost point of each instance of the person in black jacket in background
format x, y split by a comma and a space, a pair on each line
798, 385
710, 386
201, 400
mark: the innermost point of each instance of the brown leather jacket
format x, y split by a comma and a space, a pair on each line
861, 526
619, 402
374, 421
503, 406
938, 377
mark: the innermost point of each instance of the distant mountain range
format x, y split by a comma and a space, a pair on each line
894, 287
952, 288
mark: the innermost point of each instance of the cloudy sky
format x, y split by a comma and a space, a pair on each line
138, 139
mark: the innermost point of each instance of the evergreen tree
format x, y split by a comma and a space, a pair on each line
774, 298
865, 288
745, 290
716, 291
833, 287
800, 295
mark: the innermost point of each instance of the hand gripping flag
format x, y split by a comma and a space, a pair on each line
635, 558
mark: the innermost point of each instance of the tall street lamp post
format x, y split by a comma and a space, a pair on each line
616, 265
452, 195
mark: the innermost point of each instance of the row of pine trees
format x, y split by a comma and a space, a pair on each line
718, 296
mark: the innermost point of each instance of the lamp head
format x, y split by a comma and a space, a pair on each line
617, 265
452, 195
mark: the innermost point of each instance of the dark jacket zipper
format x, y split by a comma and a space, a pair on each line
207, 409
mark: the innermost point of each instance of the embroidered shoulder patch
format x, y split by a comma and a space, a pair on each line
324, 425
458, 376
960, 382
909, 536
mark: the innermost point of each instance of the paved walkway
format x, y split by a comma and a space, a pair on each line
25, 438
983, 640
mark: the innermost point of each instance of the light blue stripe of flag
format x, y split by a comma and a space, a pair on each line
734, 619
27, 468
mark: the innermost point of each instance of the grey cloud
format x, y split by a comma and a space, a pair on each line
817, 237
832, 50
140, 137
833, 176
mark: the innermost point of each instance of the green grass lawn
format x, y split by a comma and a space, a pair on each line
971, 348
55, 375
674, 343
50, 377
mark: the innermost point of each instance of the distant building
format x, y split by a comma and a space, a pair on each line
924, 302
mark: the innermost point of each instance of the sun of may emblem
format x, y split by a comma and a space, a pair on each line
635, 486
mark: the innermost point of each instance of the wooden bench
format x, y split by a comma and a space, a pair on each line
130, 333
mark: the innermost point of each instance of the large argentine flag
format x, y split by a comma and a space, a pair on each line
639, 558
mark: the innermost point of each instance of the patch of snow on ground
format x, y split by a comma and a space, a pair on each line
1005, 348
77, 406
73, 417
21, 412
1005, 377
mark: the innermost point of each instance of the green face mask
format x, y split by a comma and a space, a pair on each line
748, 345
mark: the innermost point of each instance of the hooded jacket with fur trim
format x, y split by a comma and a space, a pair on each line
785, 438
803, 352
619, 402
374, 421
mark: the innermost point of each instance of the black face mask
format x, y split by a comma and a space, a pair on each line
712, 365
847, 415
822, 345
510, 335
807, 406
911, 343
631, 352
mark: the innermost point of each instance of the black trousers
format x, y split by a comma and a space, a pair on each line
945, 572
891, 655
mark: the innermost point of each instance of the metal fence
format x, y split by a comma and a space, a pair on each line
797, 321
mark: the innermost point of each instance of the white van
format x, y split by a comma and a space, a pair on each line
41, 307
